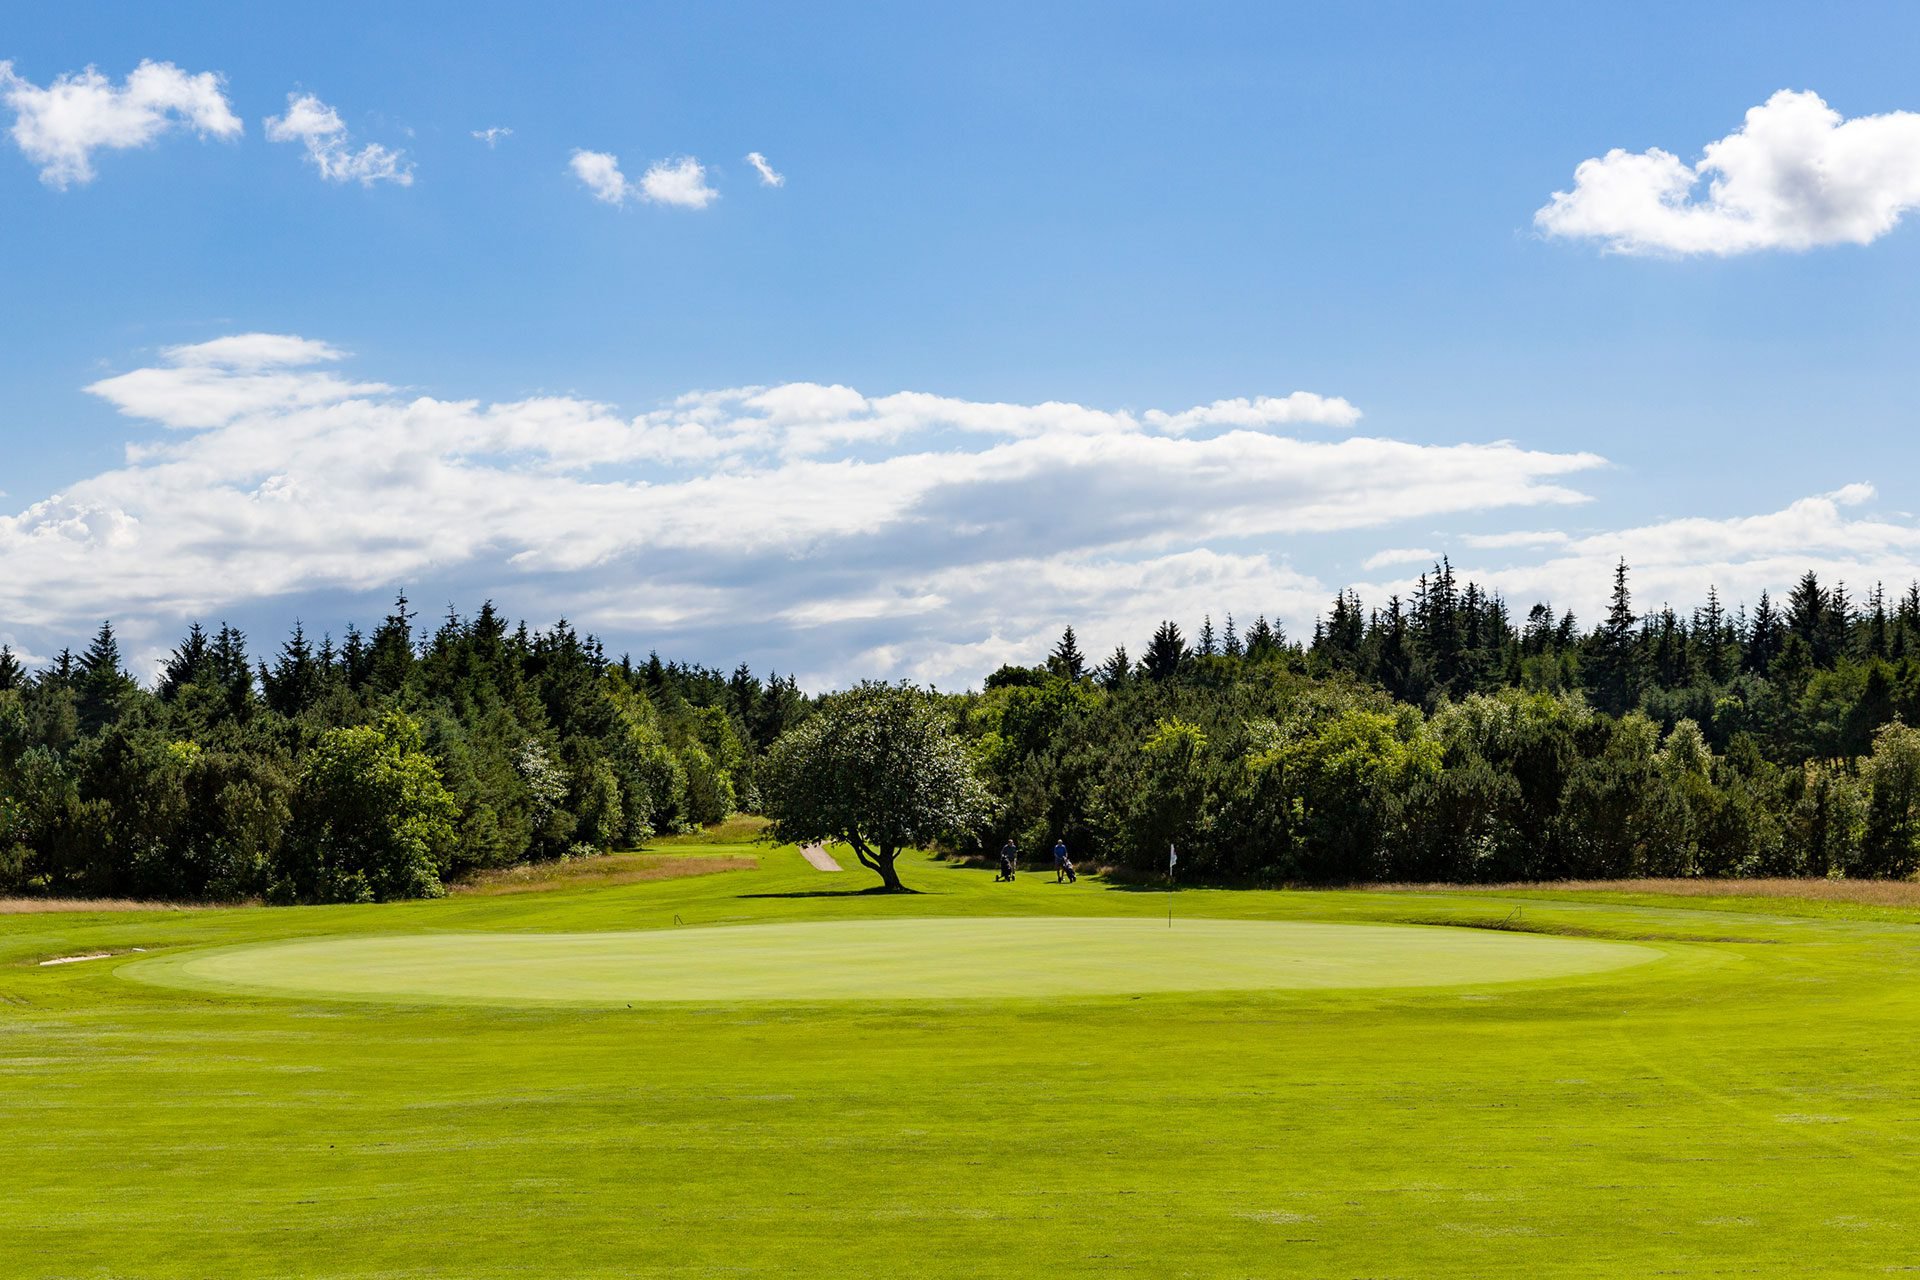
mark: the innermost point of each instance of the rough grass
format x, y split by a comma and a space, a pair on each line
45, 906
1882, 893
741, 828
606, 870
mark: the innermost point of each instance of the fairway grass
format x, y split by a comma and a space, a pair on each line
965, 958
1747, 1103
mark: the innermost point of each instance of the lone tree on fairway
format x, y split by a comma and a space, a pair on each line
878, 769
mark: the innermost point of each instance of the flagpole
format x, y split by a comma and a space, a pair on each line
1172, 857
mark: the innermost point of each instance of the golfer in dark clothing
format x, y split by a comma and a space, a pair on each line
1008, 857
1062, 865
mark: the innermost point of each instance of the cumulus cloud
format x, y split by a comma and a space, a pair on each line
600, 172
318, 127
60, 126
768, 178
840, 533
1796, 175
681, 183
491, 136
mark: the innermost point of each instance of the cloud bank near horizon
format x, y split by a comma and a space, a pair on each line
830, 532
815, 528
906, 534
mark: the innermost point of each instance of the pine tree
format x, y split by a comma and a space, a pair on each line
293, 683
1765, 634
1715, 639
354, 657
1613, 652
1568, 632
1166, 653
186, 664
1879, 630
1838, 633
12, 674
231, 669
1117, 669
1397, 662
1209, 643
1261, 640
103, 683
1230, 641
1537, 636
1807, 618
1339, 639
391, 656
1066, 660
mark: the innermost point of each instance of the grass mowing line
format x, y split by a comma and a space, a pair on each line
900, 959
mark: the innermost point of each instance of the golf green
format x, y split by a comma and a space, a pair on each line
897, 959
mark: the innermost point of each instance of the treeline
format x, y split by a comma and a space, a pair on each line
1436, 739
1429, 739
377, 767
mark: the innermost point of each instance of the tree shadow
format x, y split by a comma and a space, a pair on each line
877, 891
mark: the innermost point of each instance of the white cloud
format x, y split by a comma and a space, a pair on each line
211, 383
491, 136
1796, 175
828, 531
1263, 411
1675, 561
318, 127
1401, 555
682, 182
59, 127
254, 351
1518, 538
768, 178
600, 171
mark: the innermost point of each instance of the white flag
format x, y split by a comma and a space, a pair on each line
1172, 857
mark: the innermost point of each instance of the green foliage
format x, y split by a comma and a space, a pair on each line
878, 768
372, 819
204, 786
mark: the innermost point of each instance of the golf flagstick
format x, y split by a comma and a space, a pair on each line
1172, 857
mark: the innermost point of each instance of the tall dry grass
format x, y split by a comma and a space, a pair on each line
40, 906
609, 869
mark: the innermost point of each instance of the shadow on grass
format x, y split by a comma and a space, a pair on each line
876, 891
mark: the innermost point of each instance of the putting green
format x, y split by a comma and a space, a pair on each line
885, 960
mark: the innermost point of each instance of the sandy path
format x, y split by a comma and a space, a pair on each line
819, 858
91, 955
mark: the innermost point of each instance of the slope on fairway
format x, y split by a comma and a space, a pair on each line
900, 959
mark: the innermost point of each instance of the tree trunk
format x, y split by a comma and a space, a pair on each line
880, 862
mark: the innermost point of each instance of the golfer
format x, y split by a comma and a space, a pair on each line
1009, 856
1062, 865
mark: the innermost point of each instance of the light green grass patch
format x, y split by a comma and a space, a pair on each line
887, 960
1748, 1106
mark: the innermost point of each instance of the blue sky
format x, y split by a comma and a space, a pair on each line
1125, 208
